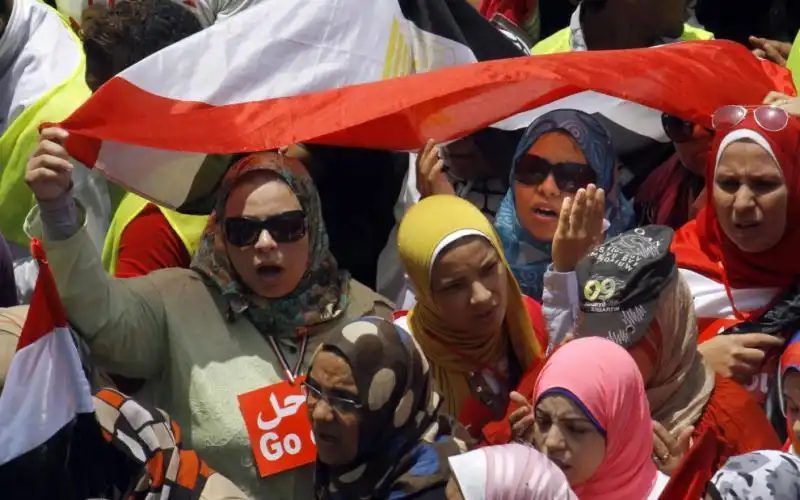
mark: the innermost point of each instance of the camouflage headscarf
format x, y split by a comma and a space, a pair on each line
762, 475
321, 295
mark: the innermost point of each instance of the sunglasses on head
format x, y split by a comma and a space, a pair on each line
532, 170
679, 130
287, 227
769, 118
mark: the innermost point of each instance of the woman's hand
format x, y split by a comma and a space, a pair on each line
521, 419
49, 173
780, 100
738, 356
771, 50
430, 175
668, 448
580, 227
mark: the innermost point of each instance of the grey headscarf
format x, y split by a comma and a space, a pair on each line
758, 475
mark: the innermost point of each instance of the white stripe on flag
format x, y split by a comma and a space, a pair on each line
45, 390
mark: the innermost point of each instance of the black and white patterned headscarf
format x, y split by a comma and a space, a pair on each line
759, 475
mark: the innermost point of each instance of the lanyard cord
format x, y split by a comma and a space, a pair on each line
291, 375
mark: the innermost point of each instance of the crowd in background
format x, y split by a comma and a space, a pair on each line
567, 312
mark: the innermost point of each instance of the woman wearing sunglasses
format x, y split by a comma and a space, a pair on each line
671, 195
561, 152
263, 289
375, 417
740, 253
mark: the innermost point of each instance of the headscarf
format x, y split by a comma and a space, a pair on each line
509, 472
603, 380
790, 361
763, 475
403, 444
529, 257
321, 295
682, 383
427, 228
702, 246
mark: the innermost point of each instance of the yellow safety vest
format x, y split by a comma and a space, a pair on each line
559, 41
793, 63
189, 228
21, 138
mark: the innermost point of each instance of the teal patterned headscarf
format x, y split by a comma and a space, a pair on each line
322, 293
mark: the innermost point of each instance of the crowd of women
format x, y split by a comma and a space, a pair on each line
576, 337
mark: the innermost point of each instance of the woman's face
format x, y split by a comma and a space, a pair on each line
538, 206
469, 285
791, 391
566, 436
332, 398
750, 197
270, 268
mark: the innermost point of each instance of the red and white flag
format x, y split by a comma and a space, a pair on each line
286, 72
45, 395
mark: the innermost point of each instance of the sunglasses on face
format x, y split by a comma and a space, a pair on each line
570, 177
679, 130
339, 404
287, 227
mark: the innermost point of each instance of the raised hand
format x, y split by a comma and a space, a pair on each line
669, 448
430, 172
49, 172
580, 227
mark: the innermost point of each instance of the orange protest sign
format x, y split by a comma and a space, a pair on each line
277, 423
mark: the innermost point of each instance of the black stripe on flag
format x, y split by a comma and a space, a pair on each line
458, 21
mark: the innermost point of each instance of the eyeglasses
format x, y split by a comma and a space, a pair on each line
769, 118
287, 227
679, 130
532, 170
339, 404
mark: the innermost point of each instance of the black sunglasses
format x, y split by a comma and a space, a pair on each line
287, 227
679, 130
532, 170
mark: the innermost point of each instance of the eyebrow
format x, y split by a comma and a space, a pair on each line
568, 418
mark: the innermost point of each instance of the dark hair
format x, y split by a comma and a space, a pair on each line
594, 5
123, 35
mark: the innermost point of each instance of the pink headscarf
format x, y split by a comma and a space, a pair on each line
604, 380
509, 472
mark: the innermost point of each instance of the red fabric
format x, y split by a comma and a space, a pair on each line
732, 424
516, 11
149, 243
701, 245
668, 189
437, 104
474, 415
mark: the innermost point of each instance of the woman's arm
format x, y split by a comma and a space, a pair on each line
560, 304
122, 321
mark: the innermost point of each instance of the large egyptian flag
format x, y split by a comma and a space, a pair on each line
46, 406
297, 71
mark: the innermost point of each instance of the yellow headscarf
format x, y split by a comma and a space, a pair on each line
426, 225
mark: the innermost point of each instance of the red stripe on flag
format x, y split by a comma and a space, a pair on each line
46, 311
689, 80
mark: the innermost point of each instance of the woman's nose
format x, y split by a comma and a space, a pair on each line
554, 440
265, 241
322, 412
480, 294
548, 187
744, 199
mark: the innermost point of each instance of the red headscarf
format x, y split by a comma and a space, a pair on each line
701, 246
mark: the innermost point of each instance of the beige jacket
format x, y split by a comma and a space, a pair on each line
170, 329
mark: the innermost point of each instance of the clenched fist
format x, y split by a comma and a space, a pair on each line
49, 173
